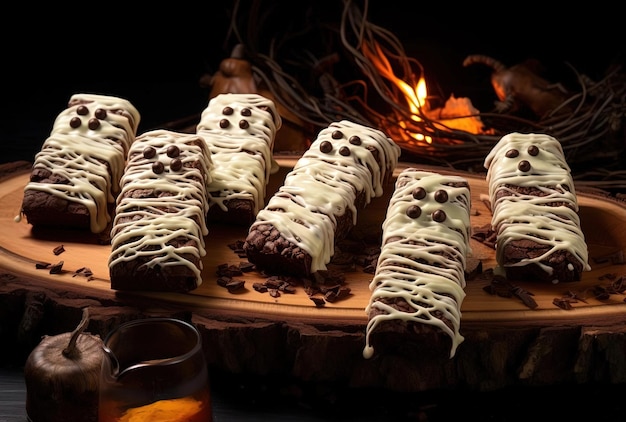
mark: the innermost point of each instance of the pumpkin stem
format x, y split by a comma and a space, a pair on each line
71, 349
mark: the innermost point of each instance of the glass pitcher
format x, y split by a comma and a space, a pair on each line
154, 370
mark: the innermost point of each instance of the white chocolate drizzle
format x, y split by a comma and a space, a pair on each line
518, 216
422, 261
88, 146
145, 225
240, 130
323, 185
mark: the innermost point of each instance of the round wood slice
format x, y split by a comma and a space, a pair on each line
506, 342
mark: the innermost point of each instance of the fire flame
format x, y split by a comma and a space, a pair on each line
414, 95
458, 113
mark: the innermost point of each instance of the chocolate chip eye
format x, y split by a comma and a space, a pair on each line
441, 196
533, 150
523, 165
94, 124
512, 153
82, 110
173, 151
224, 123
419, 193
439, 216
344, 150
227, 111
337, 134
246, 112
75, 122
413, 211
101, 114
326, 147
243, 124
158, 167
355, 140
149, 152
176, 164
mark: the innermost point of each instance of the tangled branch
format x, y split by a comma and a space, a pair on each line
321, 72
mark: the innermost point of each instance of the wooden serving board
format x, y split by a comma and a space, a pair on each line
603, 222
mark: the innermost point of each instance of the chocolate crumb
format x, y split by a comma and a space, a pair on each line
235, 285
246, 267
500, 286
42, 265
57, 268
260, 287
563, 303
485, 234
601, 293
58, 250
228, 270
223, 281
274, 292
318, 301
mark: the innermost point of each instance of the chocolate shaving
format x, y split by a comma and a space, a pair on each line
563, 303
229, 270
235, 285
525, 296
599, 292
42, 265
485, 234
57, 268
500, 286
237, 247
318, 301
83, 271
58, 250
223, 281
274, 292
260, 287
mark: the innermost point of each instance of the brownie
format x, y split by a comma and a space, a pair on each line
317, 205
419, 281
535, 210
239, 130
75, 176
160, 223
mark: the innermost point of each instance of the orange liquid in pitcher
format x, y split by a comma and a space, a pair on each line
186, 409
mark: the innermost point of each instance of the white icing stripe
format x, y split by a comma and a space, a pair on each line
241, 153
85, 156
322, 185
518, 216
144, 226
422, 260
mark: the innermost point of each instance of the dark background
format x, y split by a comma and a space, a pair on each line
155, 57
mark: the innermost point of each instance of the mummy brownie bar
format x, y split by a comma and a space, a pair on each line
75, 176
535, 210
160, 223
239, 130
344, 168
418, 286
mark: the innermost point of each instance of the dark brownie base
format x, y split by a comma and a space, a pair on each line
266, 248
561, 261
239, 212
135, 275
